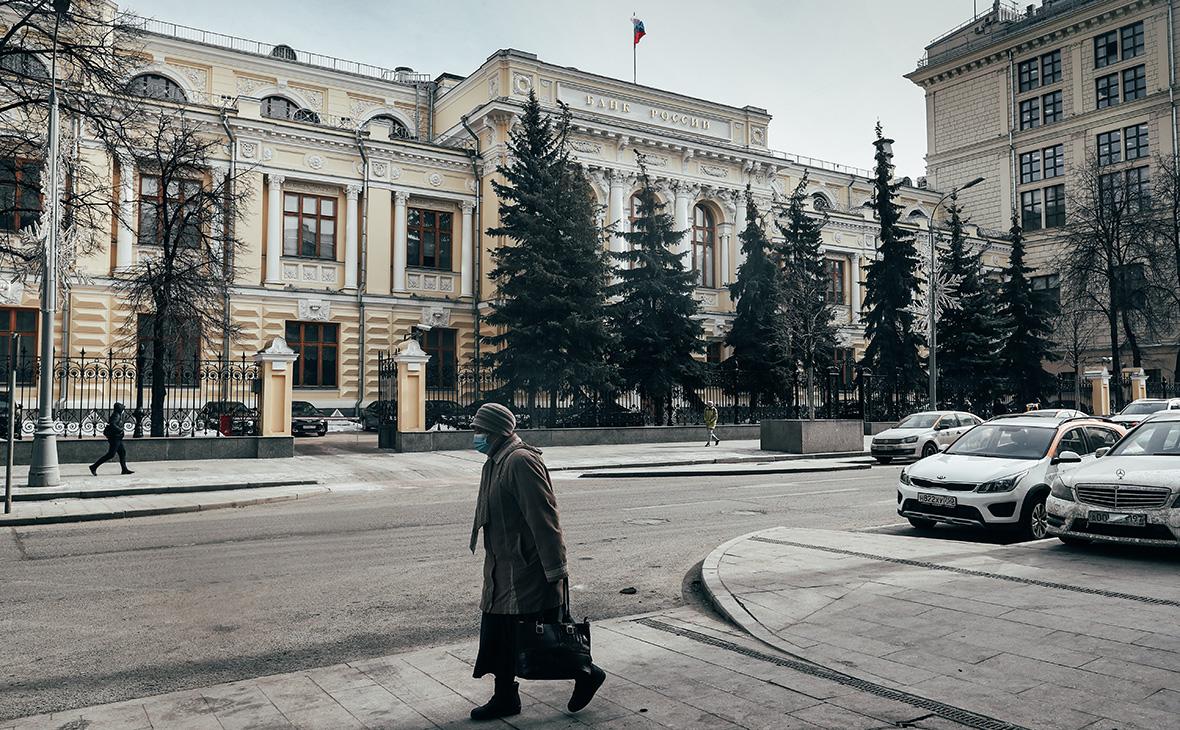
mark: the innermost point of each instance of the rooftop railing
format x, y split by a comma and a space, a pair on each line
820, 164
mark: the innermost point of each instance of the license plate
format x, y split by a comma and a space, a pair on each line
1119, 518
939, 500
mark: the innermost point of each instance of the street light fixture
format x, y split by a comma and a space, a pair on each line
43, 467
932, 295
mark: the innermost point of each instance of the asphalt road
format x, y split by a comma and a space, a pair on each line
101, 612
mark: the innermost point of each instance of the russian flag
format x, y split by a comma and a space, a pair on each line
639, 31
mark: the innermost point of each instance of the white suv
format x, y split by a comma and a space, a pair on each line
921, 434
998, 473
1137, 410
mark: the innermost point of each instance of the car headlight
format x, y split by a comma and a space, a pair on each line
910, 440
905, 478
1061, 490
1003, 484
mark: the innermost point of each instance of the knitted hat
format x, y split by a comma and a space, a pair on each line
494, 418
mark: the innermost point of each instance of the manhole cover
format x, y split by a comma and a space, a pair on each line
645, 521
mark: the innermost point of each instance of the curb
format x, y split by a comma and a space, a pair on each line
724, 460
721, 472
38, 495
150, 511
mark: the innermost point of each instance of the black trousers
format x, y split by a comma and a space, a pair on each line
497, 642
114, 448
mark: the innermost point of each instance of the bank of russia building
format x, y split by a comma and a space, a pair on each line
370, 195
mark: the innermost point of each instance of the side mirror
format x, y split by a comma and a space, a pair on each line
1067, 457
941, 426
1101, 452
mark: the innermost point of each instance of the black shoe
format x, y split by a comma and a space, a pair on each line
94, 470
127, 471
585, 688
501, 705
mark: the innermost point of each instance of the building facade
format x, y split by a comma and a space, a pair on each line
370, 194
1028, 98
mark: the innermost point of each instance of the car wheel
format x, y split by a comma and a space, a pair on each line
922, 523
883, 459
929, 449
1073, 541
1034, 520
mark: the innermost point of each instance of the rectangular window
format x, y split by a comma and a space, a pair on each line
1030, 167
1054, 161
182, 348
1051, 107
428, 238
1138, 188
1135, 83
1110, 188
20, 194
1132, 40
1110, 149
1030, 210
1130, 286
1106, 49
1106, 89
1136, 141
714, 351
1051, 68
835, 289
1030, 114
168, 214
1055, 206
309, 226
1048, 283
24, 323
442, 370
317, 345
1029, 72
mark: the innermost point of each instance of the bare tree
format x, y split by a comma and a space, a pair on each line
1167, 230
1077, 331
187, 209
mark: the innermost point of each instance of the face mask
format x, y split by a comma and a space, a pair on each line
480, 442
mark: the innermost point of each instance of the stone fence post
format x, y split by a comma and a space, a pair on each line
276, 376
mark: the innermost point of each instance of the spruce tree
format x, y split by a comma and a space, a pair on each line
807, 317
550, 310
757, 338
654, 315
969, 368
1027, 318
891, 288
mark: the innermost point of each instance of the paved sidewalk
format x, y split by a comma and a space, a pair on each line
675, 669
1039, 635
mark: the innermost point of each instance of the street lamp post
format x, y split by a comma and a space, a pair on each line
932, 295
43, 469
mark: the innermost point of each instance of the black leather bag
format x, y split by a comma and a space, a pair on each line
553, 650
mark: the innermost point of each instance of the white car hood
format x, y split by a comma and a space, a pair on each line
1148, 471
898, 433
968, 469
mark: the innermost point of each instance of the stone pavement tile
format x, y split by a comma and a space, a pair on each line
628, 722
69, 719
1136, 653
243, 706
1122, 714
996, 641
304, 704
934, 599
407, 683
888, 712
866, 666
657, 707
1140, 619
1115, 667
375, 707
1167, 700
1096, 684
338, 678
829, 716
842, 637
946, 665
188, 709
1093, 628
130, 715
1163, 642
968, 695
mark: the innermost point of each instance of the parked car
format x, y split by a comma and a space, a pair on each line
243, 420
1055, 413
446, 413
306, 419
523, 419
997, 474
589, 414
921, 434
371, 415
1129, 494
1137, 410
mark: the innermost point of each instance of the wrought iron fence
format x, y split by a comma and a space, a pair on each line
201, 397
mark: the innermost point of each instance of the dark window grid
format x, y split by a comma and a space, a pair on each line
442, 368
1051, 68
1030, 210
1106, 49
1054, 161
704, 243
317, 345
1139, 187
1134, 83
835, 293
1132, 40
429, 238
25, 323
1106, 90
182, 350
1135, 138
1055, 206
177, 202
20, 194
1029, 75
1030, 114
1051, 107
1110, 148
1109, 188
715, 351
309, 233
155, 86
1030, 167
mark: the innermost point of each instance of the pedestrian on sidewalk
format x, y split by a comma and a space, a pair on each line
711, 423
114, 435
524, 558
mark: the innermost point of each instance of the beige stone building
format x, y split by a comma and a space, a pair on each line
1025, 96
371, 192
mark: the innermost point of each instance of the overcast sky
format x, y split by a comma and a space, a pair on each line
825, 69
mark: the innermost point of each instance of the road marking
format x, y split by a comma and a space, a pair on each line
805, 494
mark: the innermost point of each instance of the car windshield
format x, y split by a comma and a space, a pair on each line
1005, 441
1142, 409
303, 408
1161, 438
919, 420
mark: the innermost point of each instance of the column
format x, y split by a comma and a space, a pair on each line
399, 240
351, 237
466, 265
125, 237
742, 222
684, 223
854, 288
725, 234
411, 391
274, 229
616, 214
1100, 391
220, 173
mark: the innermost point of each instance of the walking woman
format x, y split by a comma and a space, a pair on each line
524, 558
114, 433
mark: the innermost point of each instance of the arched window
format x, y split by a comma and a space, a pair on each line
397, 128
23, 63
916, 215
820, 202
633, 212
704, 242
155, 86
278, 107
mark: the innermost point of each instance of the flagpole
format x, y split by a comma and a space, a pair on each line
634, 46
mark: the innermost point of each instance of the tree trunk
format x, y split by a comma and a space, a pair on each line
810, 393
1132, 340
159, 388
1116, 374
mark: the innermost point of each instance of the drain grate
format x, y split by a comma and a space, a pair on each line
966, 718
1152, 600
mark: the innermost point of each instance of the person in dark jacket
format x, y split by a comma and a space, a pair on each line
524, 558
114, 433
